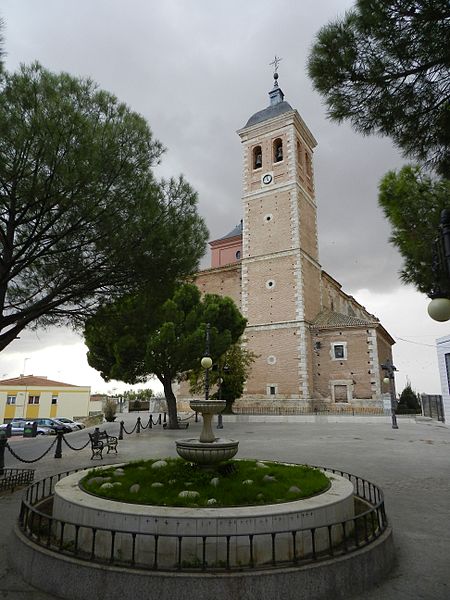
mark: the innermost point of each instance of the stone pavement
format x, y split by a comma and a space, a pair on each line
411, 465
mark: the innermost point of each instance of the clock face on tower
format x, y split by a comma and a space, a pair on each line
267, 178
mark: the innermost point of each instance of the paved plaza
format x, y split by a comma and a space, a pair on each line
411, 465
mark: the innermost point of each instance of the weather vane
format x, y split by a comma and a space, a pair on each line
276, 61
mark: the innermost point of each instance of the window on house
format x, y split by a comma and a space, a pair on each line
339, 351
272, 390
11, 399
33, 399
54, 399
447, 366
257, 157
277, 150
238, 254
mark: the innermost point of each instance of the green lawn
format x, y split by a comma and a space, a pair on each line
234, 483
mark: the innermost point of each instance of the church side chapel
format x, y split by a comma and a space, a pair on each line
317, 347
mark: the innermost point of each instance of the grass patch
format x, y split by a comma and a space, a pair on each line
234, 483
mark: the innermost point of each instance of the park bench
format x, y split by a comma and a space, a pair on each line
182, 424
101, 440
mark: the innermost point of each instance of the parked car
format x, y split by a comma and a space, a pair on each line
17, 427
74, 424
52, 425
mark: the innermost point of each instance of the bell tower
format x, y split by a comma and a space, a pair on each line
280, 268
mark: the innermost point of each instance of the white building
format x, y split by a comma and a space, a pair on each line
443, 352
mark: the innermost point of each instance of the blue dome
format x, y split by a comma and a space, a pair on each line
274, 110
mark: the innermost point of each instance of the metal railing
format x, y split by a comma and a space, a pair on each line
12, 478
124, 548
325, 409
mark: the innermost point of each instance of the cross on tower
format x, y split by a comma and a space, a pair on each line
276, 61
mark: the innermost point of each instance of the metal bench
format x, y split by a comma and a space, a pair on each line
101, 440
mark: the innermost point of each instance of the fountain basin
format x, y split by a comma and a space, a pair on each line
206, 453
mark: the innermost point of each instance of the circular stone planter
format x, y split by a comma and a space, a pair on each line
235, 536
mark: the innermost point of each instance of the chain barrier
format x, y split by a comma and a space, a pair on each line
160, 420
73, 447
129, 432
24, 460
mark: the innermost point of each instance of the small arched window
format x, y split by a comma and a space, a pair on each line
277, 150
308, 164
257, 157
299, 154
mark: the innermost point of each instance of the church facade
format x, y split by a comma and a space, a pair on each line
315, 344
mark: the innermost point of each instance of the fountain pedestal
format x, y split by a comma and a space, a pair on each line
207, 450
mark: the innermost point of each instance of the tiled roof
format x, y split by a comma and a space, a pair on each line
269, 113
328, 318
34, 380
233, 233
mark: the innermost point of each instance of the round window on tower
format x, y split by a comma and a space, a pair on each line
268, 217
271, 360
270, 284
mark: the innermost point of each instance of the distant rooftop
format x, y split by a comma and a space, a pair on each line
236, 231
34, 380
329, 318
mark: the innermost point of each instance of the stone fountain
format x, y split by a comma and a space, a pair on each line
207, 450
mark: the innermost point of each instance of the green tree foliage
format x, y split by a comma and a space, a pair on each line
131, 345
413, 203
385, 67
409, 400
232, 368
143, 394
82, 218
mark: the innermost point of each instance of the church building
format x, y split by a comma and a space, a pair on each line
316, 345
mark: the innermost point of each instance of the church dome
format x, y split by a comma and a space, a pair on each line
269, 113
277, 106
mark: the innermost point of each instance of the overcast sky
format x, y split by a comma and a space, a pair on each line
197, 70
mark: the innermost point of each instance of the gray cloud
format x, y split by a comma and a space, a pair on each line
197, 70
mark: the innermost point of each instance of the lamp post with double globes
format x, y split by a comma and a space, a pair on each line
389, 370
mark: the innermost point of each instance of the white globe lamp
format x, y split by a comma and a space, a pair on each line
439, 309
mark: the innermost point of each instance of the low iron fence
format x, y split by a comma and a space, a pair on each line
100, 545
10, 479
326, 409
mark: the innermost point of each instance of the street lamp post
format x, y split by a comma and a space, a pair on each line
206, 362
439, 307
389, 370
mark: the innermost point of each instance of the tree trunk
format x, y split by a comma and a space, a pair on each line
171, 403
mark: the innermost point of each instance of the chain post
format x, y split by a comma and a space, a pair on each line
150, 422
138, 425
3, 442
159, 419
59, 434
165, 418
121, 430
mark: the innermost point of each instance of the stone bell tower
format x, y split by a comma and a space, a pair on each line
280, 270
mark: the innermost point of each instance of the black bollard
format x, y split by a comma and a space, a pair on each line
59, 437
165, 418
3, 442
138, 425
196, 417
159, 419
121, 431
150, 422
